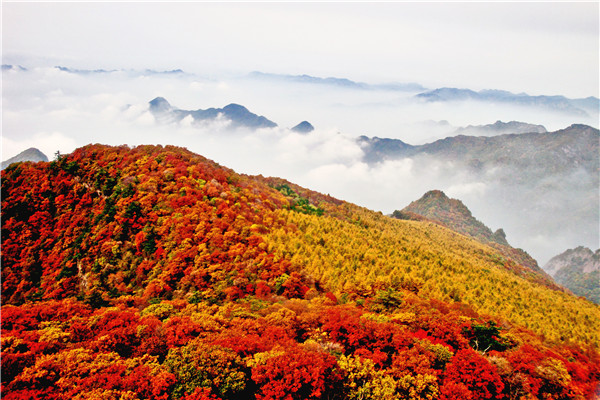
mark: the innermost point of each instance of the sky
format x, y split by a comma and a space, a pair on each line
539, 48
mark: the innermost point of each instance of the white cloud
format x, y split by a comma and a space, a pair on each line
47, 142
54, 110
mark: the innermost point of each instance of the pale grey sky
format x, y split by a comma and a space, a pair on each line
538, 48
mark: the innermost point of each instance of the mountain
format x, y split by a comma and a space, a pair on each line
535, 152
534, 185
452, 213
32, 154
379, 149
573, 146
107, 71
153, 272
556, 103
238, 115
10, 67
303, 127
500, 128
578, 270
337, 82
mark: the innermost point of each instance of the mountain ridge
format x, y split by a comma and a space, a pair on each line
452, 213
239, 115
126, 268
557, 103
523, 149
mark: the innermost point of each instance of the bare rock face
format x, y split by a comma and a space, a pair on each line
578, 270
580, 257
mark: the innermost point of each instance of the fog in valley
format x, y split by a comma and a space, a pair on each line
79, 73
56, 109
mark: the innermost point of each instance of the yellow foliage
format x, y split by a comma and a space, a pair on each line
362, 255
52, 331
419, 387
363, 382
261, 358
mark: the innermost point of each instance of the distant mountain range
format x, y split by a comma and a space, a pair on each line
10, 67
339, 82
539, 187
32, 154
574, 147
557, 103
105, 71
239, 115
578, 270
582, 106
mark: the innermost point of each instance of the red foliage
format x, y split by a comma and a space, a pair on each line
296, 374
479, 378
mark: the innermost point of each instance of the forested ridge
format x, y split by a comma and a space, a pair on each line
152, 272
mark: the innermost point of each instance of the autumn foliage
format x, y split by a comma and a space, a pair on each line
154, 273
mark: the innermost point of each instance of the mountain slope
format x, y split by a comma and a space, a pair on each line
123, 266
32, 154
453, 214
542, 188
149, 202
578, 270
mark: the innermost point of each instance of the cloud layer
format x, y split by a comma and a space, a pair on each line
56, 110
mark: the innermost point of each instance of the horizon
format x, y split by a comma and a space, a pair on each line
518, 47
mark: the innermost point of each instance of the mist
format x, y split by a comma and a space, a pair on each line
57, 110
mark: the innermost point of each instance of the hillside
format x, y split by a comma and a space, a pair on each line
152, 272
453, 214
578, 270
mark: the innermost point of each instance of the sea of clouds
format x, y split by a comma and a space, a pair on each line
59, 110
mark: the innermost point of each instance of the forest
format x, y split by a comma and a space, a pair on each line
154, 273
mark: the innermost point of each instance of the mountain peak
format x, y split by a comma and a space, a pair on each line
436, 194
160, 104
453, 214
31, 154
235, 108
436, 205
239, 115
303, 127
